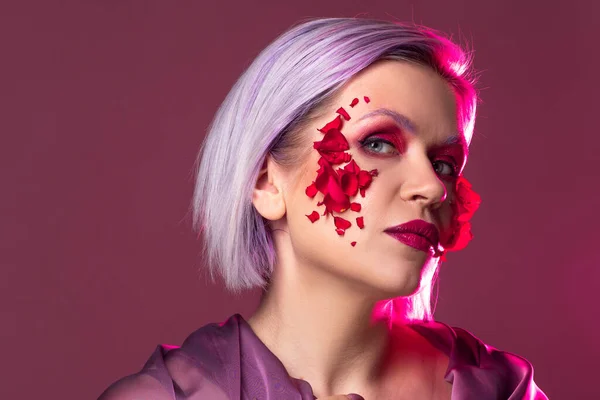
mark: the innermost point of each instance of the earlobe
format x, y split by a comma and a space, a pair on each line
267, 197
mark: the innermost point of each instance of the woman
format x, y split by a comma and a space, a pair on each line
332, 178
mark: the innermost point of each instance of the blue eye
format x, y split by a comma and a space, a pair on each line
378, 146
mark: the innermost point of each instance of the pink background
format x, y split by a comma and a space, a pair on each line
103, 107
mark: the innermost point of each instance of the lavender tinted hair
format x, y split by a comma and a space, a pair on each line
264, 113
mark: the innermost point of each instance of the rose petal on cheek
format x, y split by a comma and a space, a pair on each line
355, 207
313, 216
340, 232
341, 223
374, 172
353, 244
336, 157
352, 167
333, 140
354, 102
367, 100
311, 190
364, 179
360, 222
349, 183
362, 192
335, 124
337, 199
343, 113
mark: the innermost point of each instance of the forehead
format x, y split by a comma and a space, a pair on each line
412, 90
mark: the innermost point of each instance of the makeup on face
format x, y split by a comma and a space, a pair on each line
338, 186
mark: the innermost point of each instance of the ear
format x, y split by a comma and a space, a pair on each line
268, 195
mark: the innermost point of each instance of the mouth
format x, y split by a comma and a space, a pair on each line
418, 234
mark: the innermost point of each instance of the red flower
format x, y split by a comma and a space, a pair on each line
466, 202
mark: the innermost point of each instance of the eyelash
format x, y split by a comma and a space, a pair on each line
374, 139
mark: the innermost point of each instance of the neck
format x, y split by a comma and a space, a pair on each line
322, 329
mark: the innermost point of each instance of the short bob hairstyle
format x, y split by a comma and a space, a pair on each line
286, 86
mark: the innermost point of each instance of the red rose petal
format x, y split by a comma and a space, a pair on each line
374, 172
335, 157
355, 207
333, 140
313, 216
341, 223
362, 192
311, 190
336, 200
353, 244
367, 100
340, 232
343, 113
323, 174
354, 102
349, 184
364, 179
360, 222
352, 167
335, 124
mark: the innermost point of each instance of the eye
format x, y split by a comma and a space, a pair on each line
377, 145
444, 168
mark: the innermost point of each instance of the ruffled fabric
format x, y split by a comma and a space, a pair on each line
228, 361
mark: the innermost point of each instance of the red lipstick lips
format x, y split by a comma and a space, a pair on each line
417, 234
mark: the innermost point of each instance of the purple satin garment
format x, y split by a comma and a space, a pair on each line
228, 361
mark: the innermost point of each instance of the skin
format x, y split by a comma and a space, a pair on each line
316, 315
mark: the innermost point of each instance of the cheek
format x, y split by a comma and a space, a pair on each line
339, 184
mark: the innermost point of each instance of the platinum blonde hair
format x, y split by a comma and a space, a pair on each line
264, 112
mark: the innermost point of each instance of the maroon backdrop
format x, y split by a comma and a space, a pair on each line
103, 107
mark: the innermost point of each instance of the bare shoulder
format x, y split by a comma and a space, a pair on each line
136, 387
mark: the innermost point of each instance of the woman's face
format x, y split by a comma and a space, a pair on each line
408, 132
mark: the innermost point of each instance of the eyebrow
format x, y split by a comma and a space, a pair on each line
404, 122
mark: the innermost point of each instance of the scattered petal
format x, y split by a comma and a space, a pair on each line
340, 232
362, 192
313, 216
374, 172
341, 223
343, 113
360, 222
354, 102
355, 207
364, 179
349, 184
311, 190
367, 100
333, 140
353, 244
352, 167
335, 124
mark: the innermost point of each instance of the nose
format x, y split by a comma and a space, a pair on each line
422, 184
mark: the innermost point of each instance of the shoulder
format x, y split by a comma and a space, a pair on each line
478, 367
153, 382
136, 386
